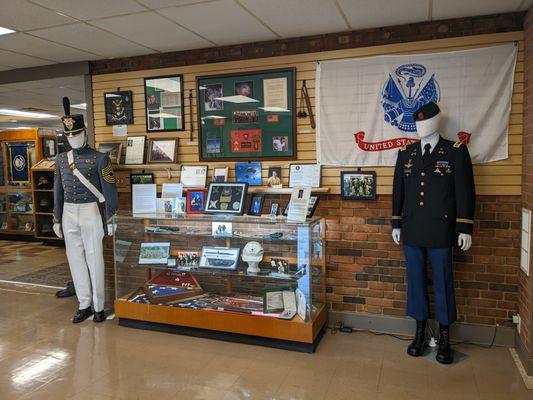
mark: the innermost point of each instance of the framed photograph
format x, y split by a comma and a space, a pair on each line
274, 177
224, 229
220, 174
313, 203
49, 145
256, 204
119, 107
135, 150
113, 150
247, 115
141, 179
193, 175
304, 175
249, 172
187, 258
164, 103
358, 185
154, 253
274, 209
195, 201
162, 151
219, 257
226, 198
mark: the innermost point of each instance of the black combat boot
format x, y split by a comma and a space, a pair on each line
99, 316
82, 315
445, 352
419, 343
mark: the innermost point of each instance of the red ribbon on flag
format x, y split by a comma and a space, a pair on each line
383, 145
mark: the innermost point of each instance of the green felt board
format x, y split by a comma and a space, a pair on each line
219, 135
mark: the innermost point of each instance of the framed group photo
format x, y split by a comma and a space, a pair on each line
358, 185
162, 151
251, 115
164, 103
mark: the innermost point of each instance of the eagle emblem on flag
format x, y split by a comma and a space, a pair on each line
405, 93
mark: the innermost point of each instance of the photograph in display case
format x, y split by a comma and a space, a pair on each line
187, 258
118, 107
224, 229
249, 172
358, 185
154, 253
196, 201
256, 204
219, 257
274, 209
113, 150
162, 151
247, 115
164, 103
226, 198
313, 203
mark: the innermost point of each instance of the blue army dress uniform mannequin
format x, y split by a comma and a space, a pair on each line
83, 179
433, 204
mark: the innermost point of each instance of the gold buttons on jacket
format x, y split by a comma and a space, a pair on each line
421, 203
422, 183
421, 193
423, 173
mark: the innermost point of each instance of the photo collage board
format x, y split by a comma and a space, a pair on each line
247, 116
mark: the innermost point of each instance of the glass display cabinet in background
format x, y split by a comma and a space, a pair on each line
242, 278
20, 211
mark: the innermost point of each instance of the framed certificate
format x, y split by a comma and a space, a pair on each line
194, 175
304, 175
135, 150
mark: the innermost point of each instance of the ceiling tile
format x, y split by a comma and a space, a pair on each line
223, 22
92, 9
91, 39
15, 60
291, 18
443, 9
33, 46
21, 15
377, 13
152, 30
155, 4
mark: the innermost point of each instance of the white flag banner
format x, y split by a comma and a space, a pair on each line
366, 105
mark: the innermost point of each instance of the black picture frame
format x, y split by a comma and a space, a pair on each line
365, 192
256, 204
313, 203
158, 106
118, 107
237, 194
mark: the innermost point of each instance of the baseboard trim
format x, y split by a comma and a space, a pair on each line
525, 358
479, 334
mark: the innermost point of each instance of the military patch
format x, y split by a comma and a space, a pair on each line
457, 144
107, 174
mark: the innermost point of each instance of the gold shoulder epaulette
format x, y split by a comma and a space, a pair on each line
457, 144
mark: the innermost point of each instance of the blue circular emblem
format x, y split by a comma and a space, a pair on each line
405, 93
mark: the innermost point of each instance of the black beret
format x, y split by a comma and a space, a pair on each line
427, 111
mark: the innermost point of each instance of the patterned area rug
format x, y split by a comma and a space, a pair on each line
57, 275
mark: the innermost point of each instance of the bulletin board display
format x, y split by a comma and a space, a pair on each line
247, 116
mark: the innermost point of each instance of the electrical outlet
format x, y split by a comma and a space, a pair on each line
517, 320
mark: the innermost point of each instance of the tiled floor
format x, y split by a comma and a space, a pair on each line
44, 356
30, 261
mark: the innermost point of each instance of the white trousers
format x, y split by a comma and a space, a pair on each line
83, 232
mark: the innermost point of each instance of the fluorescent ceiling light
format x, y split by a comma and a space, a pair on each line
81, 106
27, 114
5, 31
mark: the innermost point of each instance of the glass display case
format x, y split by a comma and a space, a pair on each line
255, 276
20, 211
3, 211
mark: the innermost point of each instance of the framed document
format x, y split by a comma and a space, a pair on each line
135, 150
162, 151
164, 103
193, 175
304, 175
226, 198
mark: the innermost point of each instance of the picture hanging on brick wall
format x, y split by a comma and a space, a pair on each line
358, 185
247, 116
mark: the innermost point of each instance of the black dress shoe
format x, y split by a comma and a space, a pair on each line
99, 316
67, 292
82, 315
445, 352
419, 343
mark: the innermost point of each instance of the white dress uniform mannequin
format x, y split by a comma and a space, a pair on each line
84, 178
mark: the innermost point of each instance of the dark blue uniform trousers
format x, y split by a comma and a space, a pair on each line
417, 293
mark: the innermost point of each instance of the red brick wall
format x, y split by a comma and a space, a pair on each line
525, 304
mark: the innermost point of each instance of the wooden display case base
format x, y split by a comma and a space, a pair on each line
293, 335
